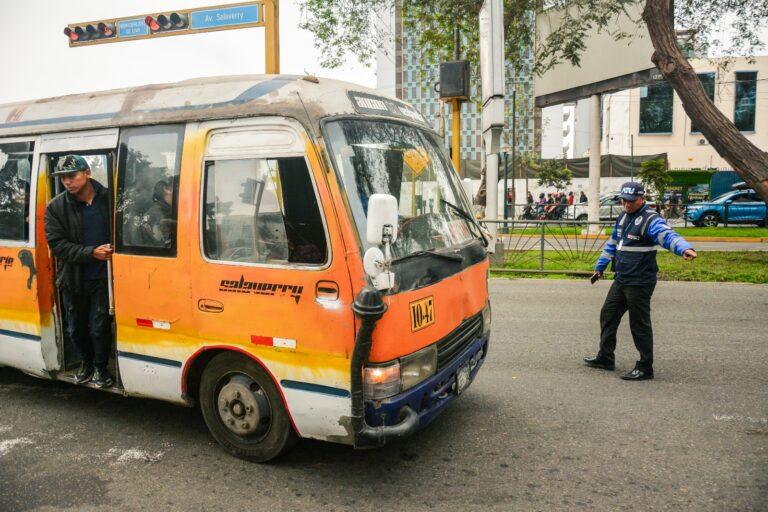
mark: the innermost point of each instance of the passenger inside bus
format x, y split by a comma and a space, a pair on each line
161, 225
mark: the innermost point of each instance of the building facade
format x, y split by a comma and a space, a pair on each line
651, 119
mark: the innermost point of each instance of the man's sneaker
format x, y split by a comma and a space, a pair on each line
84, 374
102, 378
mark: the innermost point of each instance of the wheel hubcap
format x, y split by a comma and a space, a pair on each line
243, 407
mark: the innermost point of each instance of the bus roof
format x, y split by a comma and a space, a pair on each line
199, 99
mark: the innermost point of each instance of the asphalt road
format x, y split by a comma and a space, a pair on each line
535, 431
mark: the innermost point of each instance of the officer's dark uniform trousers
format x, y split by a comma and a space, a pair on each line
636, 269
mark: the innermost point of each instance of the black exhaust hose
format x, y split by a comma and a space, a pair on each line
370, 308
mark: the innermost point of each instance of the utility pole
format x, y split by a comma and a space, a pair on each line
493, 90
593, 192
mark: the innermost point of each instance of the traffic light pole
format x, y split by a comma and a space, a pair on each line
456, 133
272, 36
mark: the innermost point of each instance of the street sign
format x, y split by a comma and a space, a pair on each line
226, 17
132, 28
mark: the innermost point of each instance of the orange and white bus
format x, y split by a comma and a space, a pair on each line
315, 273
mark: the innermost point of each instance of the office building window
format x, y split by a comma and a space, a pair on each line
708, 81
656, 108
746, 96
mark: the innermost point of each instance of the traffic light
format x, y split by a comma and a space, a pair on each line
166, 22
90, 32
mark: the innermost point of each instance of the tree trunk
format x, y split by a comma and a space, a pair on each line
747, 160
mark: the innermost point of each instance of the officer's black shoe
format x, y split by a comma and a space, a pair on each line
102, 378
84, 374
638, 374
597, 362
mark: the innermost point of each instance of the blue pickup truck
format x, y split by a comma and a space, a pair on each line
741, 206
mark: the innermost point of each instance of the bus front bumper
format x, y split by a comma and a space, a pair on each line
430, 397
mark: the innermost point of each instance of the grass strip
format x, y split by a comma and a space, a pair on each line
710, 266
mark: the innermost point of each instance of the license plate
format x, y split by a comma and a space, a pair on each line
463, 376
422, 313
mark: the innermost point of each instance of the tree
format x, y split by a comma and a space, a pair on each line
552, 173
354, 26
655, 177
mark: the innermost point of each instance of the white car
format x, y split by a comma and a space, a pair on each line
610, 208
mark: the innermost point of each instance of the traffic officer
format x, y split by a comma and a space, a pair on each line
632, 248
77, 226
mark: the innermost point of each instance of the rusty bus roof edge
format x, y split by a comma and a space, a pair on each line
196, 99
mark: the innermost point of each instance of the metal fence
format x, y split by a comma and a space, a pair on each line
751, 214
549, 247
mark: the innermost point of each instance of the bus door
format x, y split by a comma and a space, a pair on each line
270, 270
150, 264
25, 309
99, 149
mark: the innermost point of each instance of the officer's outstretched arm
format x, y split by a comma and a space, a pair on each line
662, 234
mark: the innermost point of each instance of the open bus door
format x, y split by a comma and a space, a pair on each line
99, 148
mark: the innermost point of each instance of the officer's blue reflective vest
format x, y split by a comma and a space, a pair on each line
633, 243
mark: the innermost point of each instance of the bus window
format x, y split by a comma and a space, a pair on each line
15, 179
262, 211
148, 178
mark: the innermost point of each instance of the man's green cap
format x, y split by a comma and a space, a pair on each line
71, 163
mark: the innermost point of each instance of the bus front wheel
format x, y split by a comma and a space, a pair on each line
243, 410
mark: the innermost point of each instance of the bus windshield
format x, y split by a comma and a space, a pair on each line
393, 158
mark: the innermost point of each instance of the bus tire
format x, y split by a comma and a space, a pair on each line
243, 410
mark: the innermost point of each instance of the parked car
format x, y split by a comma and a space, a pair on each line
740, 206
610, 208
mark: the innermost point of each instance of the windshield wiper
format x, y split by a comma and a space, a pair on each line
466, 216
432, 252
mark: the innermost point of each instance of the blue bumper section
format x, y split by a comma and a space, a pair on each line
431, 396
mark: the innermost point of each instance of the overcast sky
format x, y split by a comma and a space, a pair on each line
38, 62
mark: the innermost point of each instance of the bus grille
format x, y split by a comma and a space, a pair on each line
458, 340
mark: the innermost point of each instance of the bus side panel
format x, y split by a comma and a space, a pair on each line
26, 319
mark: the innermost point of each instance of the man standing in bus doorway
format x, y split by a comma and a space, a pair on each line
632, 247
77, 225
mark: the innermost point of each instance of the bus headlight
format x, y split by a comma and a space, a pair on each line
381, 381
416, 367
487, 319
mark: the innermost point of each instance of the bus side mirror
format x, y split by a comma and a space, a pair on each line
381, 228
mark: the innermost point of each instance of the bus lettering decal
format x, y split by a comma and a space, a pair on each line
257, 288
6, 261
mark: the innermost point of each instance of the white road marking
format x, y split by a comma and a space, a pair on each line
737, 417
9, 444
133, 455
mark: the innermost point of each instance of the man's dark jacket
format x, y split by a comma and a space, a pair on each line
64, 232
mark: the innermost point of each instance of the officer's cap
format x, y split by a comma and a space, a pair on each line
631, 190
71, 163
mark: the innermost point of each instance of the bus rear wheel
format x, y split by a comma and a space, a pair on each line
243, 409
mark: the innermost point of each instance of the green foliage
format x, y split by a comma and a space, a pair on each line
552, 173
358, 27
653, 174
